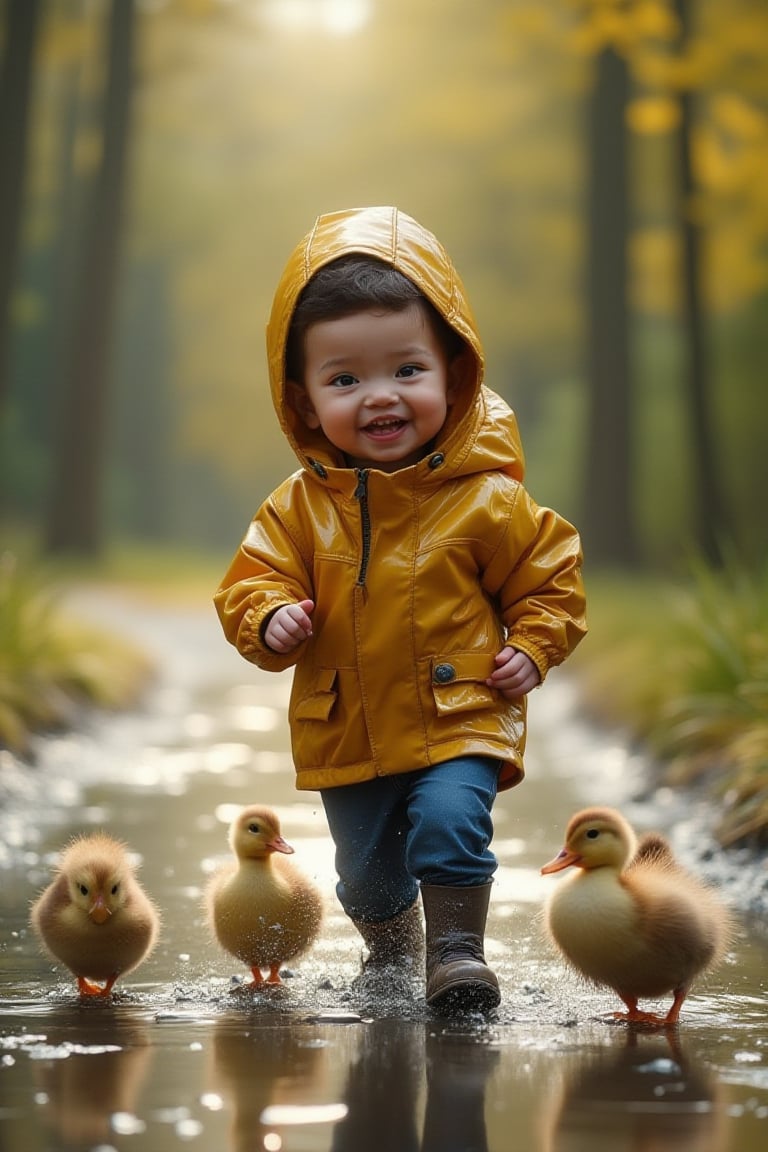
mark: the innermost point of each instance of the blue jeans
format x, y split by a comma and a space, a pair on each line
393, 832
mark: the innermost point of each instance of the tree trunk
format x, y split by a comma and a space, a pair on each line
608, 520
75, 521
15, 91
709, 522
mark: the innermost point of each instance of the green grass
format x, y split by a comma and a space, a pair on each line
50, 665
683, 667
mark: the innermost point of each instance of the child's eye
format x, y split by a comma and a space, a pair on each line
408, 370
344, 380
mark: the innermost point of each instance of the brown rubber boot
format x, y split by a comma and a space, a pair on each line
458, 978
394, 943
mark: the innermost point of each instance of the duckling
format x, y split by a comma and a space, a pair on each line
262, 908
95, 917
632, 918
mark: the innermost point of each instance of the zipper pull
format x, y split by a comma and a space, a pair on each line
361, 490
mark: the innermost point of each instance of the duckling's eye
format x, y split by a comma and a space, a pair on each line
83, 889
115, 889
593, 833
254, 828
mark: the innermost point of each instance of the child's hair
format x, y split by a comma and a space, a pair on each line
352, 284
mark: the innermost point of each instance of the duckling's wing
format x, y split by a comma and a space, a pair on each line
306, 902
139, 918
683, 924
654, 849
49, 904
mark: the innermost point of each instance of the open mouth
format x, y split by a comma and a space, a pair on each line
381, 429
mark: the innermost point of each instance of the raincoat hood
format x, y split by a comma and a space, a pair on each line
480, 431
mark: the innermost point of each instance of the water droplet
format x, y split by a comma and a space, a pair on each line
333, 1017
662, 1067
171, 1115
188, 1129
277, 1114
126, 1124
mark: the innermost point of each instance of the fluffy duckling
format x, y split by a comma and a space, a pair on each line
95, 917
631, 918
262, 908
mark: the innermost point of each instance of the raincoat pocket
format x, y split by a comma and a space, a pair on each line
319, 701
458, 682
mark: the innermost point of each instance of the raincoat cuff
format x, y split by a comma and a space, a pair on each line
534, 652
251, 644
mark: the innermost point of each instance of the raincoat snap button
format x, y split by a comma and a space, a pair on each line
436, 460
444, 673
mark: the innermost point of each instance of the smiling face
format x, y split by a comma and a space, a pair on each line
378, 383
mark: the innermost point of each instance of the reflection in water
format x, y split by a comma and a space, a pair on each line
385, 1085
88, 1071
457, 1075
382, 1089
646, 1096
256, 1068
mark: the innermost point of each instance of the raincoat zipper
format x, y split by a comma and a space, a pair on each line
361, 495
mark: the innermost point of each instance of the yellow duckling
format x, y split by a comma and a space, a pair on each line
262, 908
95, 917
631, 918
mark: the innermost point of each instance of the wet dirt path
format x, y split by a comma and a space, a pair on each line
181, 1058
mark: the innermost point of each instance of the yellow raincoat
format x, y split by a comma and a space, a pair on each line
419, 576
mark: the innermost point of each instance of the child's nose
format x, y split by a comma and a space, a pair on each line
380, 395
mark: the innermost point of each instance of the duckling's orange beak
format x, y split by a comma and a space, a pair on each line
564, 859
277, 844
98, 911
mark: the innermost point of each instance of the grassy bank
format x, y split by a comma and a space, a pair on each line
51, 666
683, 667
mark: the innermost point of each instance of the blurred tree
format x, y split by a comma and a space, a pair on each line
19, 21
685, 62
701, 69
142, 481
608, 523
75, 516
709, 518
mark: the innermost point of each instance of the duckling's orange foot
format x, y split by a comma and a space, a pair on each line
88, 988
259, 982
642, 1019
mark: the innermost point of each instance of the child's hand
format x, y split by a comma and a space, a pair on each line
289, 627
515, 674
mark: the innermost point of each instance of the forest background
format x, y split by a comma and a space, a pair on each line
597, 170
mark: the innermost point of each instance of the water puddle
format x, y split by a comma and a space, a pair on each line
185, 1056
